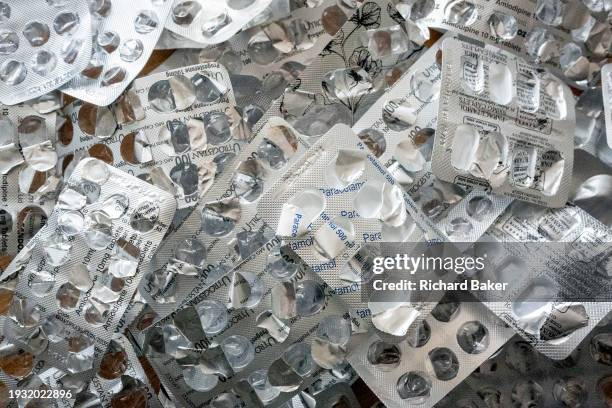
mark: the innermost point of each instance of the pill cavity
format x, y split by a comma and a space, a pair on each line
466, 141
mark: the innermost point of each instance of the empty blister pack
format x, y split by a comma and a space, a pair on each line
175, 128
332, 205
400, 128
531, 379
566, 37
121, 380
77, 275
349, 74
42, 52
503, 125
558, 284
123, 38
212, 23
251, 333
224, 228
28, 176
418, 373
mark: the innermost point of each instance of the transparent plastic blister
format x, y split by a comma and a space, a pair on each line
399, 129
445, 353
530, 378
211, 23
250, 334
567, 37
561, 294
44, 51
503, 125
122, 40
224, 227
174, 128
77, 275
121, 380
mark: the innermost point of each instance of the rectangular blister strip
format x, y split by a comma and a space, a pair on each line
125, 38
225, 220
573, 234
23, 212
399, 129
212, 23
527, 28
487, 135
327, 224
445, 340
253, 315
175, 128
64, 29
79, 272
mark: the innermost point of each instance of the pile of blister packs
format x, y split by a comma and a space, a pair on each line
206, 204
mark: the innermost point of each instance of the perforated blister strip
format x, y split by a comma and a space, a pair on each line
176, 128
252, 315
42, 52
212, 23
77, 275
124, 39
503, 125
385, 379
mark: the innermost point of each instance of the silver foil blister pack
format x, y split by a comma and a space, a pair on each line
250, 334
349, 74
565, 36
334, 206
224, 228
503, 125
122, 40
530, 378
121, 380
419, 371
211, 23
28, 176
75, 278
557, 263
41, 52
176, 129
400, 128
